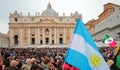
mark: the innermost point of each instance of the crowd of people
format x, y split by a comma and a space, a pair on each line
33, 58
44, 58
113, 60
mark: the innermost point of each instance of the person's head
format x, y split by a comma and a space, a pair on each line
28, 61
46, 61
1, 61
33, 60
52, 60
6, 55
13, 63
35, 67
52, 66
10, 58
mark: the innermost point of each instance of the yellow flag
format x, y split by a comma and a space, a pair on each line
116, 50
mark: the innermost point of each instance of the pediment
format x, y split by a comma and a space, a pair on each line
15, 14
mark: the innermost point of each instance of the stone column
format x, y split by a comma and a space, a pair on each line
54, 35
43, 35
11, 37
57, 36
71, 34
50, 36
64, 35
29, 38
20, 36
38, 34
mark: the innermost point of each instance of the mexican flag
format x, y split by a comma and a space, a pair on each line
109, 41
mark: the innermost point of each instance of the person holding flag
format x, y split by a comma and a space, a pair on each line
83, 52
117, 58
109, 41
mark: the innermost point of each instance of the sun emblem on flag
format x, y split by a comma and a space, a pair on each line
95, 60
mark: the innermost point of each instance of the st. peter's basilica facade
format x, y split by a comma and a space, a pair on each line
41, 29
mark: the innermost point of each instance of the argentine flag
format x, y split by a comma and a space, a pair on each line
83, 53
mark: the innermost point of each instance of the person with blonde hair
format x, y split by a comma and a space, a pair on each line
13, 65
27, 66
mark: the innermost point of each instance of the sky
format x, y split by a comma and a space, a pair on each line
89, 9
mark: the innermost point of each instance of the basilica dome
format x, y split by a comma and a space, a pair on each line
49, 11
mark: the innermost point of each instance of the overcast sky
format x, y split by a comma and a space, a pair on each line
88, 8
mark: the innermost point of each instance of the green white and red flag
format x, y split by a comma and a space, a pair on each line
109, 41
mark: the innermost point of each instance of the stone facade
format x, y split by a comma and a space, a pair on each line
4, 40
41, 29
108, 10
107, 23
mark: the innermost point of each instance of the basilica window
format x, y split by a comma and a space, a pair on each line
41, 41
60, 34
15, 19
67, 19
52, 20
16, 40
32, 40
52, 41
60, 40
47, 31
118, 36
40, 19
117, 16
47, 40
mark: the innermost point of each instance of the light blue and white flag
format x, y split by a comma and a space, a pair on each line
83, 52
